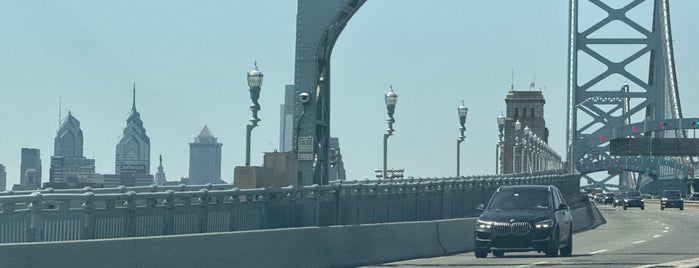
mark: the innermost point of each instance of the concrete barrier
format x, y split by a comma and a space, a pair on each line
334, 246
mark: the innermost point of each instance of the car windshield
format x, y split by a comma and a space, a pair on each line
520, 199
633, 194
672, 194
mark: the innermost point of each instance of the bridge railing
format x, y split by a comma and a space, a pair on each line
61, 215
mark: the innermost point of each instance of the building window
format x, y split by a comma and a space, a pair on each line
516, 112
533, 115
524, 112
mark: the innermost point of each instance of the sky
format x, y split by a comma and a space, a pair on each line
189, 60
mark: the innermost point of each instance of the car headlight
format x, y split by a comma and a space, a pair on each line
626, 200
663, 199
643, 200
544, 224
484, 225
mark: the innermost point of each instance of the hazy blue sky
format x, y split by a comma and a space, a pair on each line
189, 60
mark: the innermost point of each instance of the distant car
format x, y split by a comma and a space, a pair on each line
608, 198
694, 196
618, 200
633, 199
671, 199
524, 218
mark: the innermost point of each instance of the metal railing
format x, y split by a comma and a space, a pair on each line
57, 215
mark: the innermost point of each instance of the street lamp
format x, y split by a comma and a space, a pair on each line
255, 83
391, 99
518, 138
463, 111
525, 143
501, 127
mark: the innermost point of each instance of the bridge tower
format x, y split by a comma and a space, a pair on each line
318, 26
605, 91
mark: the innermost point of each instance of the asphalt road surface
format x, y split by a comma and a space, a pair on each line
631, 238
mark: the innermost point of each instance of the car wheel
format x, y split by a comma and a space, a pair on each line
661, 207
498, 253
553, 250
682, 207
624, 207
568, 249
480, 253
643, 207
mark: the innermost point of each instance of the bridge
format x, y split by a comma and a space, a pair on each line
642, 112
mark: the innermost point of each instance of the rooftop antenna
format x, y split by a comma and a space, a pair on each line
60, 108
512, 81
533, 84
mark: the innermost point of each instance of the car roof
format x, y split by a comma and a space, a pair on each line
526, 187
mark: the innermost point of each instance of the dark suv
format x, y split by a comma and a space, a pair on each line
634, 199
524, 218
608, 198
671, 199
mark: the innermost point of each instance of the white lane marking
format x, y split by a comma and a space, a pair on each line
656, 236
640, 241
599, 251
539, 263
665, 231
667, 227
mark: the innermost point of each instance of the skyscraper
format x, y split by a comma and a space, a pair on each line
30, 170
337, 166
205, 159
3, 178
133, 150
69, 168
286, 120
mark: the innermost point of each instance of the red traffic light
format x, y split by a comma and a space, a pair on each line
633, 129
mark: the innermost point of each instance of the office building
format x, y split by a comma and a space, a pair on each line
69, 168
133, 150
205, 159
3, 178
286, 120
30, 169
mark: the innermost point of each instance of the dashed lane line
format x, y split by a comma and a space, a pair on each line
637, 242
598, 251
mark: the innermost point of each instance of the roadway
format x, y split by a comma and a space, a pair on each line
631, 238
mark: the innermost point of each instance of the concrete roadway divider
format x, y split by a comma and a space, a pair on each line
333, 246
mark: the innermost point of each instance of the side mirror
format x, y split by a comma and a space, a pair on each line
562, 207
480, 207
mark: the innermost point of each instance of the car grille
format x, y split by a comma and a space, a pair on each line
515, 228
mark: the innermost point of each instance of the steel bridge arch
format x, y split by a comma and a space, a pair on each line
319, 24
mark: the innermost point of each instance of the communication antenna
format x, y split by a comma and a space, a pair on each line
533, 84
60, 108
512, 81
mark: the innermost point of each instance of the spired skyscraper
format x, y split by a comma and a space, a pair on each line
133, 151
205, 159
3, 178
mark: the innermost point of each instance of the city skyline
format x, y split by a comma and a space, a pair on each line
190, 59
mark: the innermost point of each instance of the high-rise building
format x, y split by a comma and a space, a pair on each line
3, 178
160, 175
286, 120
133, 150
337, 166
69, 168
30, 169
205, 159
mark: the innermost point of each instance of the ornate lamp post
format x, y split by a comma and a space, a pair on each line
391, 99
518, 139
463, 111
255, 83
501, 127
525, 142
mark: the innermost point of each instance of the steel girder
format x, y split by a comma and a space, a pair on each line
590, 98
318, 26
